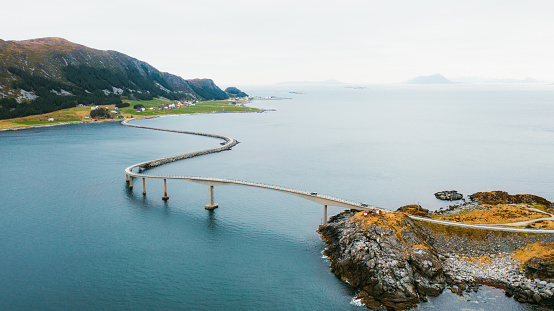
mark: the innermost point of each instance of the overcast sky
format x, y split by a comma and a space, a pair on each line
263, 42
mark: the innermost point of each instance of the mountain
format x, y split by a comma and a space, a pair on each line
437, 78
47, 74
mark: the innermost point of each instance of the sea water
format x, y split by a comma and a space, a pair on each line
73, 236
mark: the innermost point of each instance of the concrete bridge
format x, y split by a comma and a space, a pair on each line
228, 143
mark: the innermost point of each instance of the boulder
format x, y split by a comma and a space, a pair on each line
452, 195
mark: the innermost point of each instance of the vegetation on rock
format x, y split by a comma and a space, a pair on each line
234, 92
494, 214
414, 209
502, 197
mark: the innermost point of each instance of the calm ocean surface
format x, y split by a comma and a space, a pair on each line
73, 237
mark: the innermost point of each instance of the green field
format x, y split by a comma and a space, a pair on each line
78, 114
201, 107
31, 122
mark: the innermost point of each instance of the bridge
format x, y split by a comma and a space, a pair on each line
227, 144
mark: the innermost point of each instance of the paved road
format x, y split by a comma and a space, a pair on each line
527, 222
316, 197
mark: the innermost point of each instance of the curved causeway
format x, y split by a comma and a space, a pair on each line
229, 142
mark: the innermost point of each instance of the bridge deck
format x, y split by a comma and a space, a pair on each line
318, 198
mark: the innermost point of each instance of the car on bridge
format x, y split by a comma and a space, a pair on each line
313, 193
364, 205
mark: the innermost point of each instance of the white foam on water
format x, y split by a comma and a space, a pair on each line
357, 302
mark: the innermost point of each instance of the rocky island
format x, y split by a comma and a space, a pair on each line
396, 262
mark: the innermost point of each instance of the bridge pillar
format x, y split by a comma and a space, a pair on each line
143, 187
211, 205
165, 197
126, 178
324, 214
131, 182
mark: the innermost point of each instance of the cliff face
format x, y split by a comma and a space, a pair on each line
47, 64
387, 257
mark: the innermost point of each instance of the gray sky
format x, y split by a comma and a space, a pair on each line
263, 42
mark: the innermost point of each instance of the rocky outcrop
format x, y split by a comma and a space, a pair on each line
414, 209
502, 197
540, 268
388, 257
451, 195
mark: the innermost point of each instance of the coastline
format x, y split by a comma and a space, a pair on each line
76, 115
51, 125
121, 120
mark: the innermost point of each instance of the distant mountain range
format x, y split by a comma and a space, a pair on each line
432, 79
47, 74
440, 79
493, 80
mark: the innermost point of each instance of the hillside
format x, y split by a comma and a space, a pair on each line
47, 74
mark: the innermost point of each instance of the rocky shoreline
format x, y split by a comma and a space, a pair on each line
468, 263
386, 256
396, 262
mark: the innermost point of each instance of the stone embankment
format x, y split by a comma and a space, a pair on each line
227, 145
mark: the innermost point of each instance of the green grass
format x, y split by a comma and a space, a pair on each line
77, 114
539, 206
201, 107
33, 122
